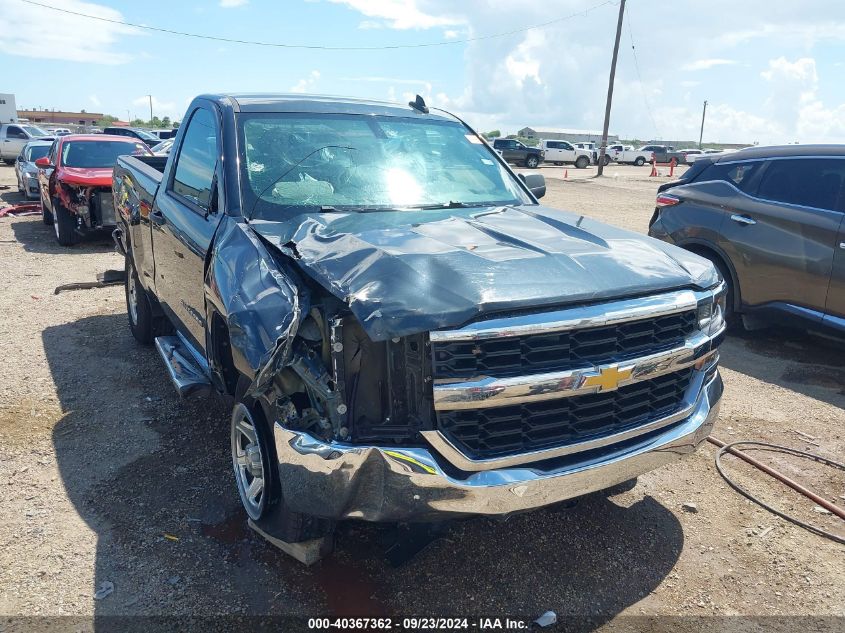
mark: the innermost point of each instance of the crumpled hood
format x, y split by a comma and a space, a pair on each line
87, 177
408, 272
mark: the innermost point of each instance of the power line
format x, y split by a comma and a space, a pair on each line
320, 47
639, 77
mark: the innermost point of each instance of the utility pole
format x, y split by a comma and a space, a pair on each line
128, 117
603, 148
151, 108
701, 135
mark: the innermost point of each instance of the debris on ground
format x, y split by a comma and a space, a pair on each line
29, 208
104, 279
689, 507
106, 589
547, 619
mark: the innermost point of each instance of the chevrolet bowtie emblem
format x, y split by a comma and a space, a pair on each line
608, 378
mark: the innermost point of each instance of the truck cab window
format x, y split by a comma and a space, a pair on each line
197, 160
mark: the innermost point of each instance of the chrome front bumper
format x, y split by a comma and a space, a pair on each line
343, 481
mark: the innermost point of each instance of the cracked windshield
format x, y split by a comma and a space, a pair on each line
358, 163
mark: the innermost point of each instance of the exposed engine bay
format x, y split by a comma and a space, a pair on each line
342, 386
94, 206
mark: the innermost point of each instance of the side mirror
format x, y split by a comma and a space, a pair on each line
44, 161
536, 183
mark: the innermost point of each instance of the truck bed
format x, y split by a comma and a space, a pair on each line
144, 172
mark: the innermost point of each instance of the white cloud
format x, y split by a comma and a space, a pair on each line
95, 101
160, 108
306, 84
704, 64
803, 69
400, 14
690, 84
39, 32
231, 4
386, 80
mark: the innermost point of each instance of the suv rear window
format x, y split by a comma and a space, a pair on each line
810, 182
737, 174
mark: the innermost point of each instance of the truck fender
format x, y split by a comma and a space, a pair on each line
260, 304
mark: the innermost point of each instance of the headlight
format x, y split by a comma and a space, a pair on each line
32, 175
711, 311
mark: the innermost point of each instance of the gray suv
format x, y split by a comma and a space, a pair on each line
772, 219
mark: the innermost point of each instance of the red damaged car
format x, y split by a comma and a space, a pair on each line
75, 181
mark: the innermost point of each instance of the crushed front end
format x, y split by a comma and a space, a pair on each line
509, 413
93, 206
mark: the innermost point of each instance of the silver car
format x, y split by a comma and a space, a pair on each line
25, 170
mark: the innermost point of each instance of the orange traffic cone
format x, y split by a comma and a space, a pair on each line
672, 167
653, 168
565, 174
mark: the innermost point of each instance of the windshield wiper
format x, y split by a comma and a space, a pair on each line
445, 205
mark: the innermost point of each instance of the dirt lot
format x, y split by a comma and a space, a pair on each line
107, 476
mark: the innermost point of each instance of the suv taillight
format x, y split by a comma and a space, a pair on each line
665, 200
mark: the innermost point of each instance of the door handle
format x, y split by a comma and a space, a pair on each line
157, 218
743, 219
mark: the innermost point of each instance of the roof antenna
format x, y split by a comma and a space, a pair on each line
419, 105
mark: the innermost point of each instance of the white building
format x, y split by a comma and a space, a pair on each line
563, 134
8, 109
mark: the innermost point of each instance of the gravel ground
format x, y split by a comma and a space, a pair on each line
107, 476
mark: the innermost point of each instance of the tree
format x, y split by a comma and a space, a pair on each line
107, 120
493, 134
165, 122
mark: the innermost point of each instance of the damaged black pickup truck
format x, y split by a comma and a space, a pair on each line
406, 333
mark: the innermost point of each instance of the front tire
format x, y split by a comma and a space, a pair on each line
64, 225
606, 160
531, 162
255, 463
582, 162
640, 161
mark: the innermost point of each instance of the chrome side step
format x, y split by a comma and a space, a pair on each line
185, 373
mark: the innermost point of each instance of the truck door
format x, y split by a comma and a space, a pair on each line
567, 152
14, 141
184, 219
781, 238
509, 150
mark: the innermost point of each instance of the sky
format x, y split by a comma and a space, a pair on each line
770, 71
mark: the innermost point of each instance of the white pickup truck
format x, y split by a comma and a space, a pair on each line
13, 137
564, 152
627, 154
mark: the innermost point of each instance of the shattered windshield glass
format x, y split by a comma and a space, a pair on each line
307, 162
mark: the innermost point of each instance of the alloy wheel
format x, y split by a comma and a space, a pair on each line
248, 462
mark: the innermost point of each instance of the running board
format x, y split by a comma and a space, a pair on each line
185, 374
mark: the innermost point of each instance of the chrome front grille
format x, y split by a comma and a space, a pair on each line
509, 430
525, 388
535, 353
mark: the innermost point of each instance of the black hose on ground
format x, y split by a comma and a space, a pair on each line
730, 448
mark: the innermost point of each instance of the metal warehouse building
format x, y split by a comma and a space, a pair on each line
562, 134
